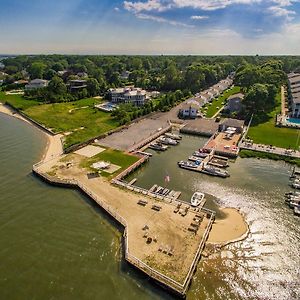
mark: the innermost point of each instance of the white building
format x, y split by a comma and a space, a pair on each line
132, 95
294, 92
36, 84
188, 110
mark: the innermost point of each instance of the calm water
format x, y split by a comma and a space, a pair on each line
267, 264
55, 244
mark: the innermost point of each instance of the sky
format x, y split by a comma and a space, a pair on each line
214, 27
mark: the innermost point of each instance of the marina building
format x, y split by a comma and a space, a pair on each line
133, 95
294, 94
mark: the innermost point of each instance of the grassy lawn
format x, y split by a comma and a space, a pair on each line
115, 157
267, 133
79, 118
216, 104
66, 117
264, 155
18, 101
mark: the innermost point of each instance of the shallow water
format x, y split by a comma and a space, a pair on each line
55, 244
266, 265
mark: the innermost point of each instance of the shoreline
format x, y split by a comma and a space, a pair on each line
124, 214
54, 149
53, 146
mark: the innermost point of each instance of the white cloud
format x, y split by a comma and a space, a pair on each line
116, 9
278, 11
199, 17
162, 5
162, 20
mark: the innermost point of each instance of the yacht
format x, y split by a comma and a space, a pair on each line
158, 147
200, 154
187, 164
215, 171
197, 198
168, 141
195, 158
173, 136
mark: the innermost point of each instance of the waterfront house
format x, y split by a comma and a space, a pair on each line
294, 94
133, 95
233, 123
234, 104
36, 84
189, 110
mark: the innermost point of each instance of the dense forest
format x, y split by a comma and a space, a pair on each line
176, 77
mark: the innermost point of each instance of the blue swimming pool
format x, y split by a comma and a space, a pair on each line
293, 120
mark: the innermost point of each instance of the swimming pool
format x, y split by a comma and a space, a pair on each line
293, 120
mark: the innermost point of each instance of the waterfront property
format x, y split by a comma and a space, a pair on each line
132, 95
189, 110
164, 242
268, 134
234, 103
225, 141
294, 94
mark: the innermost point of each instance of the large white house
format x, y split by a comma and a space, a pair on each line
132, 95
189, 110
294, 89
36, 84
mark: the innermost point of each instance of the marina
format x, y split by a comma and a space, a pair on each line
76, 214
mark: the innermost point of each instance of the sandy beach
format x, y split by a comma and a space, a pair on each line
232, 228
54, 145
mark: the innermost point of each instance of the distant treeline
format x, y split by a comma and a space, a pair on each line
259, 76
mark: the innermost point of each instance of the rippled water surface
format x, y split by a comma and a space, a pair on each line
55, 244
266, 265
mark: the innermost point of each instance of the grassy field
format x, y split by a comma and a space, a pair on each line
78, 118
267, 133
17, 101
115, 157
217, 103
264, 155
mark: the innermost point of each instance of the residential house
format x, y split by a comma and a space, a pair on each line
189, 110
36, 84
234, 103
294, 94
77, 84
233, 123
132, 95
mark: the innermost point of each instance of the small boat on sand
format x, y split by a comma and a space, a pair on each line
197, 198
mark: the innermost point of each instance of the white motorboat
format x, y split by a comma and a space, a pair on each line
173, 136
197, 198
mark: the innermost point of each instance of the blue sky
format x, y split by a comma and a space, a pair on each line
150, 26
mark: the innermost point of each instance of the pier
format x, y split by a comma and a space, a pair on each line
156, 242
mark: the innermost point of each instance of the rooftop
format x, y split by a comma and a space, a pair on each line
233, 123
238, 95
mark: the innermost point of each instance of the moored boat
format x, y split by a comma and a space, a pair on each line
158, 147
187, 164
197, 198
168, 141
173, 136
215, 171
